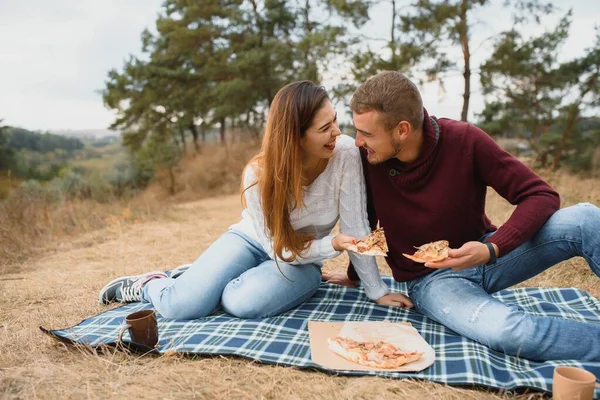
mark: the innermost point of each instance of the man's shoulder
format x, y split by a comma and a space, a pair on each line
453, 125
453, 129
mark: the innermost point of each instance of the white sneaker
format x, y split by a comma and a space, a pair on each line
127, 289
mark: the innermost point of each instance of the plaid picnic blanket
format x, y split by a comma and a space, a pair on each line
284, 339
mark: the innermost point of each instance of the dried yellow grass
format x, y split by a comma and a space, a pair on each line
28, 224
215, 170
59, 288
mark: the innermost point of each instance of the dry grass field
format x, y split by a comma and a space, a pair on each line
58, 287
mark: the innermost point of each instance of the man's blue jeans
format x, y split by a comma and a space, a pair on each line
462, 301
236, 273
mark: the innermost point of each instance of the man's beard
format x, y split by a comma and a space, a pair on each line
396, 149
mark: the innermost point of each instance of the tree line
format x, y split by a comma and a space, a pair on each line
34, 155
213, 66
218, 63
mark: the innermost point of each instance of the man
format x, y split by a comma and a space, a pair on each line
427, 180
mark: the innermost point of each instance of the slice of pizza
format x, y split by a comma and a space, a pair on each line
377, 354
374, 244
434, 251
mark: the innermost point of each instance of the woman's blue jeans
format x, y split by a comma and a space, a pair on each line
237, 274
462, 301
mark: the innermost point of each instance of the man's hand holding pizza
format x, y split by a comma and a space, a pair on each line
470, 254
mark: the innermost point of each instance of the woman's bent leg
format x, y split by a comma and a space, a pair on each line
197, 292
263, 291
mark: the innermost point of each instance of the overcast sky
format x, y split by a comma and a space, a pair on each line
55, 55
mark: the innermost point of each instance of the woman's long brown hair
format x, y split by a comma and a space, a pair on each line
280, 161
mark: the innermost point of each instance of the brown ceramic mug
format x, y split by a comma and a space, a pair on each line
570, 383
142, 328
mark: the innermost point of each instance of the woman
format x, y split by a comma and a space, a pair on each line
304, 179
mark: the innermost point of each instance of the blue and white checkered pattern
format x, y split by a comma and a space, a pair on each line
284, 339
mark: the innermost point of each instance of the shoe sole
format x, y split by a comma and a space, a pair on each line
177, 271
101, 300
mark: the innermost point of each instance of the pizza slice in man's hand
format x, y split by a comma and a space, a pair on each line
434, 251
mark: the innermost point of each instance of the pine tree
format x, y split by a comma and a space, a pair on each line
6, 153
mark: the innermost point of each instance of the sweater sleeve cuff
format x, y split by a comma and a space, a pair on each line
327, 250
507, 239
377, 291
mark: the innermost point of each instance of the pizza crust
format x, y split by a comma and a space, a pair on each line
372, 252
339, 350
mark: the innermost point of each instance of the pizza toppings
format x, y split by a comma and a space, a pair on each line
374, 244
434, 251
378, 354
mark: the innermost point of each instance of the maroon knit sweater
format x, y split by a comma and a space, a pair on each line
441, 195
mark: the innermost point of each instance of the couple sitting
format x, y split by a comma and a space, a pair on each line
424, 179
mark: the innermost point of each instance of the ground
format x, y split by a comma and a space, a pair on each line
59, 287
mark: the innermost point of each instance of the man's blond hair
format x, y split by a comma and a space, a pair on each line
393, 95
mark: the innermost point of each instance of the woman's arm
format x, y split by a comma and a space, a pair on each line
354, 222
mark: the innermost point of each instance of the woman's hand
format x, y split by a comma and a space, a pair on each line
342, 242
396, 300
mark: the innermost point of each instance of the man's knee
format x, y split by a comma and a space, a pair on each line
588, 214
583, 215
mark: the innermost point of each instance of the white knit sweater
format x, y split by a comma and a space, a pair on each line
337, 193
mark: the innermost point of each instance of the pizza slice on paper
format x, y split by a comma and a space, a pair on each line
374, 244
377, 353
434, 251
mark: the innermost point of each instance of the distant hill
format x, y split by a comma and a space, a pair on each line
21, 139
86, 133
